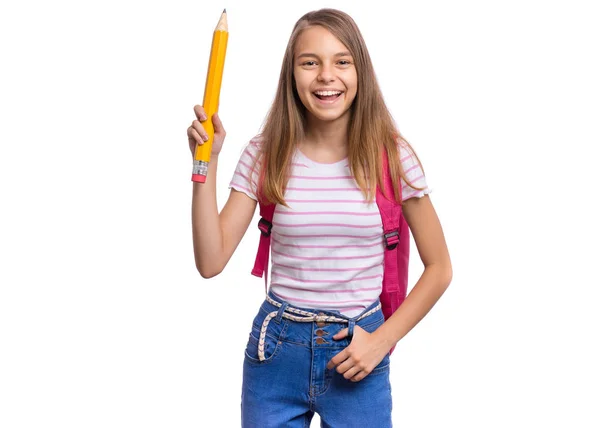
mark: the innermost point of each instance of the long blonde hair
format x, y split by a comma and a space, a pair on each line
371, 127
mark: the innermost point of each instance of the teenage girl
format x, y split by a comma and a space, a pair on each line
320, 156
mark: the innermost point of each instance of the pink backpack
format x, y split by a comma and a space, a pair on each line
396, 233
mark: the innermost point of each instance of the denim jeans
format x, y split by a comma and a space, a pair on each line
292, 383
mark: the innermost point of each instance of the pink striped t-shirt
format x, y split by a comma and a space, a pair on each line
327, 248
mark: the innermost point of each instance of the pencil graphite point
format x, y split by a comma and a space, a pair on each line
222, 24
224, 10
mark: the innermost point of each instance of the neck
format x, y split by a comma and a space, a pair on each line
328, 135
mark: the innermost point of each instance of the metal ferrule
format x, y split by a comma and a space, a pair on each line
200, 167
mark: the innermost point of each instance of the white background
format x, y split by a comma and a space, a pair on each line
104, 321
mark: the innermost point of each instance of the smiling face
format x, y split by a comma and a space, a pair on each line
325, 76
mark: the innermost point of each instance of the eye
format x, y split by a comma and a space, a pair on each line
344, 62
309, 63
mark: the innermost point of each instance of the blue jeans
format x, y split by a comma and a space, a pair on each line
292, 383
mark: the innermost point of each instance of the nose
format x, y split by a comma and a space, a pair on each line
326, 73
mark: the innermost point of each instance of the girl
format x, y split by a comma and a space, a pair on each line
318, 158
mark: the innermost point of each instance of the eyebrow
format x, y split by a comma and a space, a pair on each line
312, 55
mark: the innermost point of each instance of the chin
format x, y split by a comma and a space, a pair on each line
331, 117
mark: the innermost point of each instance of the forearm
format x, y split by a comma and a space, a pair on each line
429, 288
206, 228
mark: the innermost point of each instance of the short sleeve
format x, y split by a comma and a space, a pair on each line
241, 180
414, 174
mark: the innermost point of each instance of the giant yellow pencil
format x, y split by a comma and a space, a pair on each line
212, 90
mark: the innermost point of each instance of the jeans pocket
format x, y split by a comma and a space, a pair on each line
272, 344
373, 324
384, 365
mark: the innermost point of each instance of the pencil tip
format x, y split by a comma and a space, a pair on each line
224, 10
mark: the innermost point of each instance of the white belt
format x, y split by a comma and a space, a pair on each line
307, 317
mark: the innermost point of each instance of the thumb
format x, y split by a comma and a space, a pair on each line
340, 334
218, 125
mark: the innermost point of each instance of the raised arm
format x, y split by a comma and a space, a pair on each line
215, 235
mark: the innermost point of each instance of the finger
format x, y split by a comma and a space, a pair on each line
340, 334
348, 365
218, 124
339, 357
192, 133
352, 372
359, 376
200, 112
197, 126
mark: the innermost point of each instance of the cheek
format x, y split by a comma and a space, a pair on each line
302, 94
355, 86
303, 90
352, 85
301, 80
352, 94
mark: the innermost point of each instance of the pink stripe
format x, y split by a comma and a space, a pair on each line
248, 166
405, 158
327, 291
327, 246
416, 166
286, 235
289, 299
322, 178
299, 164
325, 213
235, 185
414, 180
352, 308
246, 179
326, 270
251, 155
356, 226
329, 258
317, 201
329, 281
242, 175
330, 189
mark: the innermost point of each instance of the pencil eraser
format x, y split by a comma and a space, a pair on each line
199, 178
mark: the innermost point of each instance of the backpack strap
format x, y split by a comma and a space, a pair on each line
261, 264
390, 217
396, 234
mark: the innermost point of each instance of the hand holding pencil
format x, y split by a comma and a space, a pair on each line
198, 135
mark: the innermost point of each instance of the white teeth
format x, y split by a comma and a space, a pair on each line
327, 93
